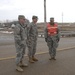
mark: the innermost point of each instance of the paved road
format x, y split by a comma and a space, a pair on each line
6, 39
7, 47
64, 65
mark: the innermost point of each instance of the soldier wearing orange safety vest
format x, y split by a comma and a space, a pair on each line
52, 37
52, 30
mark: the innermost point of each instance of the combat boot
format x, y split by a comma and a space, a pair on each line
54, 58
23, 65
18, 68
34, 59
30, 60
50, 59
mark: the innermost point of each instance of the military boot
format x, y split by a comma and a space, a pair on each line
50, 59
34, 59
30, 60
23, 65
54, 58
18, 68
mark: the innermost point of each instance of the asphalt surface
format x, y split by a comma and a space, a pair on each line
7, 46
64, 65
6, 39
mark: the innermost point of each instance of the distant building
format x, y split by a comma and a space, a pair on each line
13, 25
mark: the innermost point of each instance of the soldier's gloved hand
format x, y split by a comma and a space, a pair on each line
57, 40
46, 39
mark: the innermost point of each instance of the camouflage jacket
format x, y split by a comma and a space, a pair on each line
33, 30
20, 33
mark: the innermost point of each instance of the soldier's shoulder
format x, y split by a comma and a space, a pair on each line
31, 24
17, 25
56, 23
27, 21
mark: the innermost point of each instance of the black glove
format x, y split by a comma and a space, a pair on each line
46, 39
57, 40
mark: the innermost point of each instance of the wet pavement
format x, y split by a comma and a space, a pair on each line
7, 46
64, 65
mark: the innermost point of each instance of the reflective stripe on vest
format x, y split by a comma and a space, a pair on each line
52, 30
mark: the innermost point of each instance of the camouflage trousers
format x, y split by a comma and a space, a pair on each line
31, 43
20, 51
52, 45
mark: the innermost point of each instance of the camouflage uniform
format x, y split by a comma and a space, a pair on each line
32, 39
52, 42
20, 36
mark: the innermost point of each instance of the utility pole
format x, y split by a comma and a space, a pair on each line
44, 13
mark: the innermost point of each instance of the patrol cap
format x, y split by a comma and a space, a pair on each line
52, 18
21, 17
34, 17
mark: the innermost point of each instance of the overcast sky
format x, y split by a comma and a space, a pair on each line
10, 9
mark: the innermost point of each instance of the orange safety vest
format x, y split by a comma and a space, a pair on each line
52, 30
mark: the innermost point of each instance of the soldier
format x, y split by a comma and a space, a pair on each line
20, 42
32, 39
52, 37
